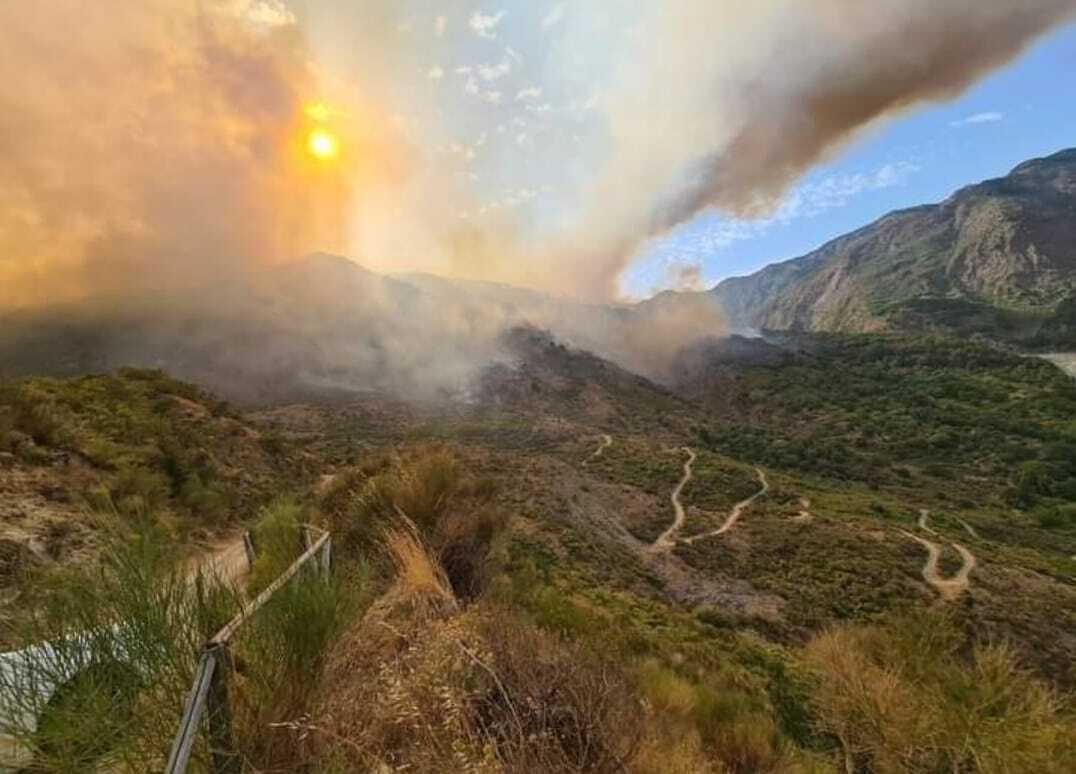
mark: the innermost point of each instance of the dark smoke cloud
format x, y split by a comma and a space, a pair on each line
727, 104
152, 143
880, 59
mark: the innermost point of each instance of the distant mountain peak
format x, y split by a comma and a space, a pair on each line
996, 258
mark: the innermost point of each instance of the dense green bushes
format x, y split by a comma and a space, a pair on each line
124, 643
856, 407
156, 445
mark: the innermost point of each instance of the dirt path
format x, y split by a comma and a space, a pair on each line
226, 560
949, 588
805, 511
605, 442
737, 511
668, 538
924, 514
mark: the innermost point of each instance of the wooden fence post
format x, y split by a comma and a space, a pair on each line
248, 546
326, 558
221, 742
192, 716
209, 694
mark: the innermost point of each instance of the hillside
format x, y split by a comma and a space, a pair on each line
997, 258
85, 460
325, 328
577, 569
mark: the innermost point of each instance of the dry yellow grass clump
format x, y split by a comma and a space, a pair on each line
471, 690
906, 698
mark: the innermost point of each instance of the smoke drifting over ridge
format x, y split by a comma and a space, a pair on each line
727, 104
151, 151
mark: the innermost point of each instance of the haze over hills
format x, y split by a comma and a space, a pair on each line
997, 258
326, 326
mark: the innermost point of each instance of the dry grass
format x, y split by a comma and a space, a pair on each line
477, 691
429, 489
908, 698
420, 580
557, 705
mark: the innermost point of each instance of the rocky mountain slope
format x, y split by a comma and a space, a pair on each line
997, 258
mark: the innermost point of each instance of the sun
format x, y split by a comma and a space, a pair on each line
322, 145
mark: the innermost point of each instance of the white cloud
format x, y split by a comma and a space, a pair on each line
807, 201
530, 93
495, 72
554, 17
990, 117
485, 25
267, 13
435, 73
836, 191
439, 26
492, 97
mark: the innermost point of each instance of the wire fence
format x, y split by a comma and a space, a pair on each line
208, 708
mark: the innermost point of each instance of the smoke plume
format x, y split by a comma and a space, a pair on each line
152, 149
536, 143
726, 104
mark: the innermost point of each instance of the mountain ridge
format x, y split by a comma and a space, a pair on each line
997, 256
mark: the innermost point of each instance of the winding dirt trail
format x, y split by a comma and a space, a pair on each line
668, 538
605, 442
949, 588
924, 514
737, 511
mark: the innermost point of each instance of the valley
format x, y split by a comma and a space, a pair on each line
409, 387
719, 528
729, 525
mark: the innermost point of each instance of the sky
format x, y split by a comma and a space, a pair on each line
593, 149
1024, 111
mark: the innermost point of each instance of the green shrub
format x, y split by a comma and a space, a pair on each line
137, 490
124, 644
278, 542
1057, 516
282, 650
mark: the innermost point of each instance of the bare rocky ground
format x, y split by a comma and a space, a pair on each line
1066, 361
